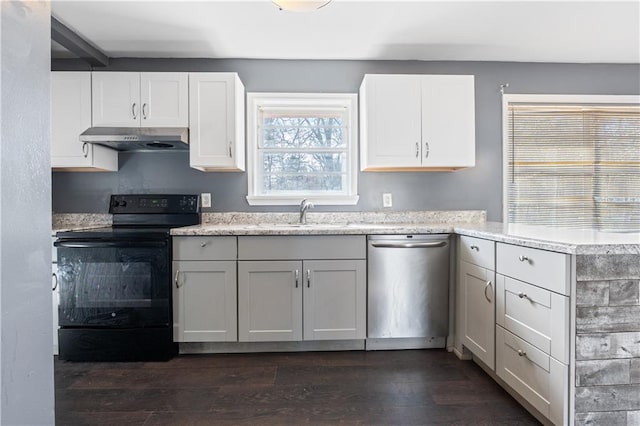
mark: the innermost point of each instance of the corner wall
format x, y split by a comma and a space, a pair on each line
26, 357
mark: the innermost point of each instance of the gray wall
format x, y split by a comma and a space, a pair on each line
476, 188
26, 355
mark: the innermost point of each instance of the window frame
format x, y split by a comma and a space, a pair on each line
257, 100
545, 99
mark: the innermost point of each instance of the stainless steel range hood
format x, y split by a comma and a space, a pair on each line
138, 138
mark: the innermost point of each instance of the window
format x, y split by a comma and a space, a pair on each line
302, 146
572, 161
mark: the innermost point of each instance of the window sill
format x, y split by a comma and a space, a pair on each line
294, 200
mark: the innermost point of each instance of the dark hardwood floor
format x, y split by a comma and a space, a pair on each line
384, 387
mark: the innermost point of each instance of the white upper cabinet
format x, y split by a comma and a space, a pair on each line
417, 122
132, 99
165, 99
216, 122
70, 116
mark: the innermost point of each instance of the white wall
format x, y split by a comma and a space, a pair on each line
26, 361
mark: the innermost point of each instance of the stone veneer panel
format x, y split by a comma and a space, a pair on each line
598, 419
624, 292
603, 372
608, 398
607, 340
594, 293
608, 346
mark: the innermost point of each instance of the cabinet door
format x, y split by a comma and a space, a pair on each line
269, 301
216, 121
70, 116
334, 299
164, 99
478, 304
390, 122
204, 301
116, 99
448, 121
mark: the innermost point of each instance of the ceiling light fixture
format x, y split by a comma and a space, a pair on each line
300, 5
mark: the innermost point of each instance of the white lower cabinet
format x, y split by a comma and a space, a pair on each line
478, 297
204, 301
518, 316
334, 299
269, 301
205, 289
293, 288
301, 300
532, 331
539, 378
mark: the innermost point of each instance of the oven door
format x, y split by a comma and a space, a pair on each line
114, 284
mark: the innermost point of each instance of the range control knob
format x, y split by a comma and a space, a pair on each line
123, 203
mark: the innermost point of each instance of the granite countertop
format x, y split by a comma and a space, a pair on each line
78, 221
564, 240
467, 222
339, 223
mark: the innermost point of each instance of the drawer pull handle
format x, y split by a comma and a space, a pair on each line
203, 245
476, 248
521, 352
308, 278
54, 277
485, 291
176, 279
522, 295
523, 258
297, 277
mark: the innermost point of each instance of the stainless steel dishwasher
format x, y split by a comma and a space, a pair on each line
408, 291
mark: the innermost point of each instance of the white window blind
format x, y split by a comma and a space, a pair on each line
574, 165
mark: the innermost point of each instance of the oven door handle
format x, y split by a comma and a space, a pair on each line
109, 244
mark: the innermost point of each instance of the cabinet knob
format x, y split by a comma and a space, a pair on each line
522, 295
297, 274
521, 352
308, 278
85, 150
476, 248
523, 258
230, 149
133, 111
176, 278
417, 150
203, 245
54, 277
426, 150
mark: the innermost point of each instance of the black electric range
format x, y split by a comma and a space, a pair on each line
115, 282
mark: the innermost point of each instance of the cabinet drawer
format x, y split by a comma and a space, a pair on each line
205, 248
543, 268
538, 378
302, 247
534, 314
477, 251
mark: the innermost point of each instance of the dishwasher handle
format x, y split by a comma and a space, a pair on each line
432, 244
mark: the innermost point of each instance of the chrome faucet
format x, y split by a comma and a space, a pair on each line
304, 206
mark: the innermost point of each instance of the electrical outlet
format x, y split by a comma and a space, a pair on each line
387, 199
205, 199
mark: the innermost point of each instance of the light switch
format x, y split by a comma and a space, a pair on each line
205, 199
387, 199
